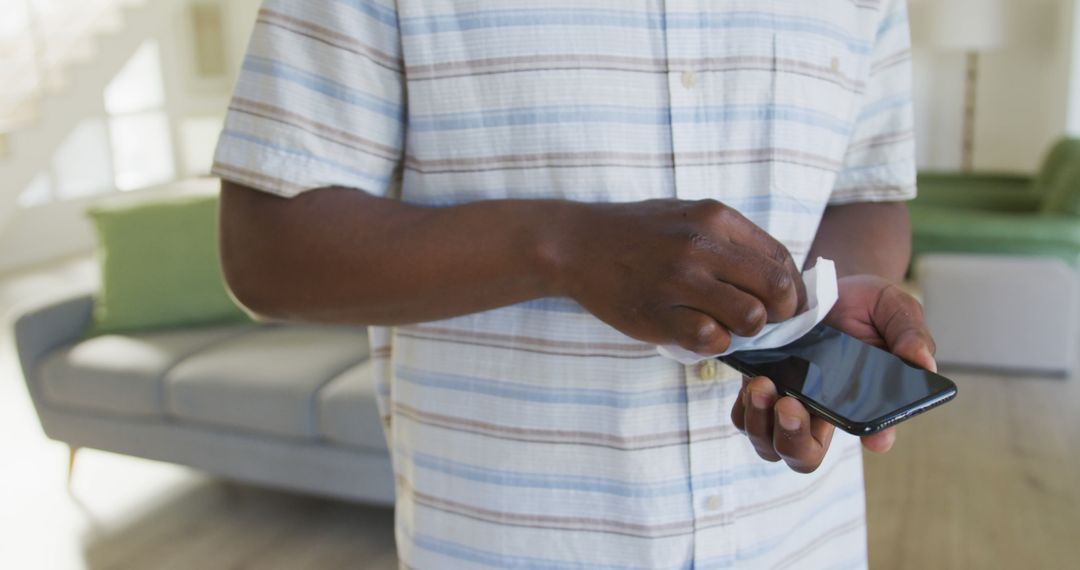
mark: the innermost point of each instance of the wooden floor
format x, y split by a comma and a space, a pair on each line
992, 480
989, 481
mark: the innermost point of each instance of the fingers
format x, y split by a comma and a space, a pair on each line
800, 439
905, 330
751, 235
782, 428
759, 397
747, 257
773, 283
695, 331
736, 310
738, 410
881, 441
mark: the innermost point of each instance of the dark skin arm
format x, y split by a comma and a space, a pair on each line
871, 308
661, 271
883, 247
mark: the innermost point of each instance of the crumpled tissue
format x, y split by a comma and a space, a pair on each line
821, 295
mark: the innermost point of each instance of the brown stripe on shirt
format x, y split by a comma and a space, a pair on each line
890, 61
594, 159
599, 62
333, 134
563, 437
330, 38
834, 532
516, 340
881, 140
608, 526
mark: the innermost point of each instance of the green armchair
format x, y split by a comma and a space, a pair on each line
1003, 213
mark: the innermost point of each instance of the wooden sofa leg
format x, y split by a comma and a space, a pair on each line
72, 450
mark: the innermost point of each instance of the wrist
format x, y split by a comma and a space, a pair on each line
554, 244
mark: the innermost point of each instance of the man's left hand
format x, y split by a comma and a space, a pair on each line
871, 309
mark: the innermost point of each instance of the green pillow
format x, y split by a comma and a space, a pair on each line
159, 266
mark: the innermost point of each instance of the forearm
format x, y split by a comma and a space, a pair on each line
344, 256
865, 239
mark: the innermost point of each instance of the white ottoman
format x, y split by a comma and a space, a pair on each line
1004, 312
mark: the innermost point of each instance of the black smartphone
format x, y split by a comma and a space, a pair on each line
857, 387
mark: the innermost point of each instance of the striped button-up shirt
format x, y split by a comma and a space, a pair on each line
535, 435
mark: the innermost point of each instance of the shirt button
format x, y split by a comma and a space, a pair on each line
707, 370
713, 503
689, 79
835, 65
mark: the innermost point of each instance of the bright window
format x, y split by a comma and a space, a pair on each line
82, 166
142, 150
138, 87
129, 148
198, 137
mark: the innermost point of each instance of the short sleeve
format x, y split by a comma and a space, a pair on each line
320, 100
880, 162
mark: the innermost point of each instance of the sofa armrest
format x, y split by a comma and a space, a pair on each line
46, 325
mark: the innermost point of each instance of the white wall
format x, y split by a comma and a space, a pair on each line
1073, 123
1023, 92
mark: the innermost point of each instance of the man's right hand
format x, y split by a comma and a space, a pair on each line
676, 272
661, 271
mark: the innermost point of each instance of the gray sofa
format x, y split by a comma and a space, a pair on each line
278, 405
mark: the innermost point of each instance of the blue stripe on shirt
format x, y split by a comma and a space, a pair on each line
550, 481
530, 17
623, 114
319, 84
744, 555
362, 174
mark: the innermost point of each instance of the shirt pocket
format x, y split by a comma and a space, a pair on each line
816, 86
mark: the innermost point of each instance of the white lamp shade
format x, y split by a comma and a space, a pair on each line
969, 25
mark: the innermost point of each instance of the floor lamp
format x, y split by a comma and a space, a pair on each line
972, 27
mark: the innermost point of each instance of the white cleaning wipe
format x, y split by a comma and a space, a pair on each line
821, 295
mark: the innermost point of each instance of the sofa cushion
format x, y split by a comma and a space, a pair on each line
266, 381
122, 373
348, 411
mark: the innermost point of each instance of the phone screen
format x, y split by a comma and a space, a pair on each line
860, 383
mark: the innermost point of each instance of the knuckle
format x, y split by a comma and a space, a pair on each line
701, 335
752, 319
781, 284
709, 209
780, 253
699, 241
781, 293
